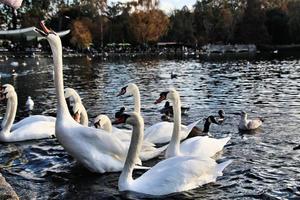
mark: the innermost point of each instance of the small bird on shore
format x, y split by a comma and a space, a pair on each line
29, 104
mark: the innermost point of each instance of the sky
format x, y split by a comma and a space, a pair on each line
168, 5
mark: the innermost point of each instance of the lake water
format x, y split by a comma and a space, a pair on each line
264, 164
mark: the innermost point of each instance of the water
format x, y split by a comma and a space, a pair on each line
264, 164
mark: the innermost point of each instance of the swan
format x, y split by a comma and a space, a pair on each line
25, 121
35, 130
172, 175
29, 104
199, 145
248, 124
96, 149
77, 105
148, 149
13, 3
160, 132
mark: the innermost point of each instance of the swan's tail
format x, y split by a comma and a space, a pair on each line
141, 167
220, 167
153, 154
191, 126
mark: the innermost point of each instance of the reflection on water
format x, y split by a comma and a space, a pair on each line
264, 167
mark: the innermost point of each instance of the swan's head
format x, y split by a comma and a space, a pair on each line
29, 97
131, 88
171, 95
101, 120
131, 119
69, 92
52, 37
7, 91
77, 108
243, 114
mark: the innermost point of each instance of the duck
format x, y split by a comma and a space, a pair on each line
168, 109
199, 145
121, 111
205, 131
29, 104
246, 124
161, 132
26, 121
221, 118
173, 75
148, 152
29, 131
96, 149
172, 175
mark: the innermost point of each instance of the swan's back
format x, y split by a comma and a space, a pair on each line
32, 119
177, 174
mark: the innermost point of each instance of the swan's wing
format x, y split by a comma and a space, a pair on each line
203, 146
254, 124
103, 141
178, 174
33, 131
32, 119
150, 152
159, 133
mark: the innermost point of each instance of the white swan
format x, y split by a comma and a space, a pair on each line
96, 149
148, 149
32, 131
199, 145
25, 121
172, 175
29, 104
160, 132
248, 124
77, 105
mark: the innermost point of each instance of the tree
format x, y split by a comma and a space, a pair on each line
251, 28
276, 22
294, 21
148, 26
181, 26
81, 35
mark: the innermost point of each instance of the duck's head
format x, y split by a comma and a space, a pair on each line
7, 91
128, 89
221, 113
50, 35
171, 95
100, 120
121, 111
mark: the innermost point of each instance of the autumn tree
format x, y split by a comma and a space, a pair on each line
81, 35
148, 26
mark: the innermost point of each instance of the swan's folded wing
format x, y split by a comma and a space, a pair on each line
254, 124
159, 133
103, 141
32, 119
203, 146
177, 174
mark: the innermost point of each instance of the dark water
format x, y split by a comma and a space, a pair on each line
264, 164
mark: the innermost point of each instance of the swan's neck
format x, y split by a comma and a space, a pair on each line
12, 104
62, 108
84, 119
7, 113
174, 146
107, 126
137, 101
132, 155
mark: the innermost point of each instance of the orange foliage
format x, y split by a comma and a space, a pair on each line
148, 26
81, 35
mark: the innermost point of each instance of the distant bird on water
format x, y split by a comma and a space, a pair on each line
249, 124
29, 104
173, 75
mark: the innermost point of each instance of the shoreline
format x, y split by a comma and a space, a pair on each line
6, 190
